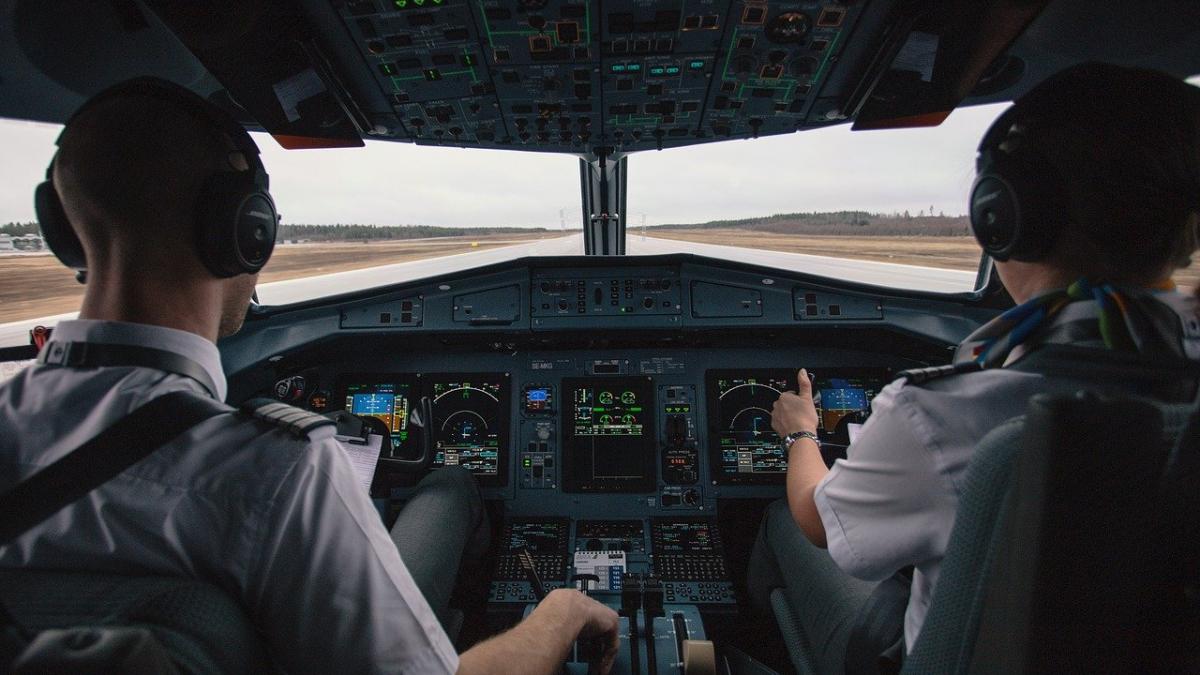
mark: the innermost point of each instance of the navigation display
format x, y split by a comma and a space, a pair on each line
470, 421
744, 448
739, 414
390, 402
608, 435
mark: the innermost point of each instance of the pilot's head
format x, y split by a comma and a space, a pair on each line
164, 193
1095, 172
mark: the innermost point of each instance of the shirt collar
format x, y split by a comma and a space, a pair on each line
183, 343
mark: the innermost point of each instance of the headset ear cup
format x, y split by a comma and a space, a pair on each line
995, 215
1014, 213
236, 225
56, 229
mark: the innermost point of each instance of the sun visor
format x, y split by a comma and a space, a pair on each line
933, 59
291, 90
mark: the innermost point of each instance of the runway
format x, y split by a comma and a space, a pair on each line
295, 290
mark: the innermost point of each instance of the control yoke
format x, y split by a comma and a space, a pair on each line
421, 417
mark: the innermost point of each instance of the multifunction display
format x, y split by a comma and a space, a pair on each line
468, 426
391, 403
843, 400
470, 421
608, 434
744, 447
739, 413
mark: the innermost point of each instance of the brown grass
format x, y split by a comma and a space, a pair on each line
36, 286
956, 253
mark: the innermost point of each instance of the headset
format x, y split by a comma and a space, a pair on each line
236, 220
1018, 198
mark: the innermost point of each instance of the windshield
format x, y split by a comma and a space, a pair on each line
880, 207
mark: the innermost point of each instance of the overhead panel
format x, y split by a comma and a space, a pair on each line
579, 75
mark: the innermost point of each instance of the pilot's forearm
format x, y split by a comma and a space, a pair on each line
806, 468
539, 644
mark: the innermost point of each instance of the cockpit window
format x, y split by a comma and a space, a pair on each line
879, 207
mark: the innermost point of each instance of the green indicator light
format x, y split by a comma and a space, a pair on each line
634, 67
527, 462
657, 70
418, 3
672, 70
400, 4
696, 65
618, 67
387, 69
439, 2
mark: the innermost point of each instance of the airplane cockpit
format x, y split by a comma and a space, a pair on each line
614, 406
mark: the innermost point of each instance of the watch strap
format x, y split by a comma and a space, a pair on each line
797, 435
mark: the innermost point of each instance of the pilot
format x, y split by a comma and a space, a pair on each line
277, 520
1103, 161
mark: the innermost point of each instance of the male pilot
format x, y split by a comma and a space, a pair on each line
278, 522
1118, 186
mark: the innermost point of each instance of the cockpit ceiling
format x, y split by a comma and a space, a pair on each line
573, 76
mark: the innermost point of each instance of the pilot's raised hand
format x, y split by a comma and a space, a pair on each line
795, 411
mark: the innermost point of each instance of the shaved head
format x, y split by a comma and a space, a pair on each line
130, 172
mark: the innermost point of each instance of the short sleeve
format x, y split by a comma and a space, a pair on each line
886, 505
328, 586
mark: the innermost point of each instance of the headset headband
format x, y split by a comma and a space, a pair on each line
188, 101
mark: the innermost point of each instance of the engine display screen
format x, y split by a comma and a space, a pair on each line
744, 448
391, 403
470, 421
609, 441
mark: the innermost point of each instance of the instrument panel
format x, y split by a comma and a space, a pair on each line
675, 433
616, 417
574, 75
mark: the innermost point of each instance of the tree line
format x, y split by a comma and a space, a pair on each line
842, 223
343, 232
832, 223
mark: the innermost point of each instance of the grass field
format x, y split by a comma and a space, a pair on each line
33, 286
956, 253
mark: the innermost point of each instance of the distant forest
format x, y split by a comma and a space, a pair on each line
837, 223
19, 229
842, 223
340, 232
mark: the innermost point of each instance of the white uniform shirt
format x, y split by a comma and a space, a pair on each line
891, 502
281, 524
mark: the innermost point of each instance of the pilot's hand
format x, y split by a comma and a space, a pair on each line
600, 623
794, 411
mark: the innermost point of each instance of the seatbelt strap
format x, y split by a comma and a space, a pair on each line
101, 458
96, 355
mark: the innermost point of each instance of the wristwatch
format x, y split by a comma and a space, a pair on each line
797, 435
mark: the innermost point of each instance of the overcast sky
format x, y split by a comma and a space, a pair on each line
399, 183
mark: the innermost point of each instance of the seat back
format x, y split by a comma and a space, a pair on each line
201, 628
1066, 550
947, 636
1089, 573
